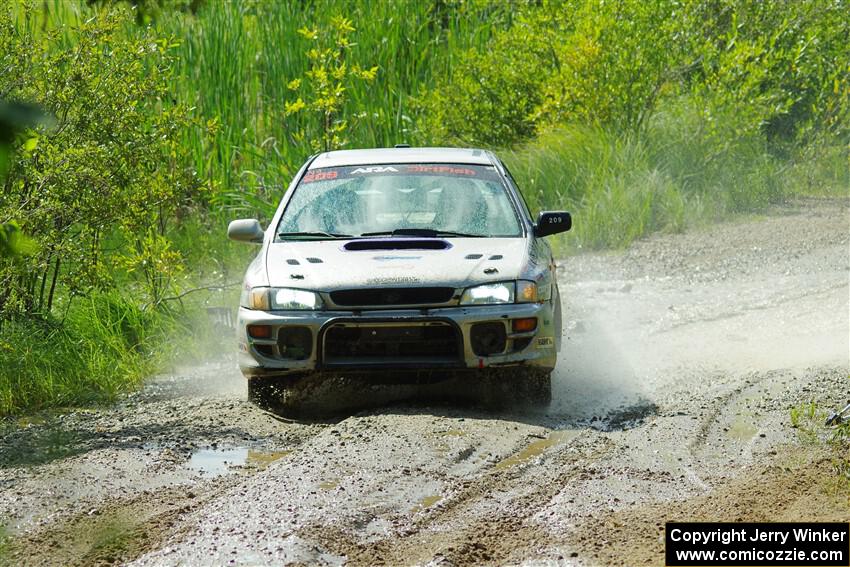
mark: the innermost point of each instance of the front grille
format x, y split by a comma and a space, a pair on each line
390, 344
392, 296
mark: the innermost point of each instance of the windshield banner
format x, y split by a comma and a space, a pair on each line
438, 169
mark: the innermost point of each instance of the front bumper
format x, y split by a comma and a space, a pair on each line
269, 356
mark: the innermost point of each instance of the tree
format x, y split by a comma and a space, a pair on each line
99, 188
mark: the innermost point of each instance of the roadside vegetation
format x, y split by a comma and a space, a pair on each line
169, 118
808, 419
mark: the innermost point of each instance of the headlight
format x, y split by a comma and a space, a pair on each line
521, 291
488, 294
274, 298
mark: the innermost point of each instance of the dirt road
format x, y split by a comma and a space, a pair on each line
682, 358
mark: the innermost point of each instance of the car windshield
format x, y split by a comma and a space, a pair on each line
401, 199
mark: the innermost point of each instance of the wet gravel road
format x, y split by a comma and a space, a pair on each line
682, 358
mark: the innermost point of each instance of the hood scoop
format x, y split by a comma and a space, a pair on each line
397, 244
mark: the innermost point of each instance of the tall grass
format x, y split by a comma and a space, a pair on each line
236, 59
622, 187
105, 346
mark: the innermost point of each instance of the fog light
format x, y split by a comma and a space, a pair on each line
295, 342
259, 331
524, 325
488, 338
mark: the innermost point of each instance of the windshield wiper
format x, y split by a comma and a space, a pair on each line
312, 235
427, 232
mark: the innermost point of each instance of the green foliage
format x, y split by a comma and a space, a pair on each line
154, 258
148, 11
237, 61
808, 419
803, 415
612, 64
15, 119
621, 187
5, 547
111, 166
13, 242
778, 68
493, 91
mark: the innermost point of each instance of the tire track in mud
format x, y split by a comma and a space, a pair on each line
719, 410
453, 532
116, 532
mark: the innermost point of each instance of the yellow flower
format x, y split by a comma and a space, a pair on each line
307, 33
293, 107
369, 74
342, 24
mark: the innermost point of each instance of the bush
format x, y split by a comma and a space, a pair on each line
779, 68
606, 179
109, 170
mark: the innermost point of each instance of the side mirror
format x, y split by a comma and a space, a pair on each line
245, 230
552, 222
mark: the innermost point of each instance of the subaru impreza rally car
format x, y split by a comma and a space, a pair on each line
422, 260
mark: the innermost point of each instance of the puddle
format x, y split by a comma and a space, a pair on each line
441, 443
219, 461
261, 460
742, 430
537, 448
29, 421
441, 449
426, 502
328, 484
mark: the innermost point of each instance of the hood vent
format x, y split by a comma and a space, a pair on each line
397, 244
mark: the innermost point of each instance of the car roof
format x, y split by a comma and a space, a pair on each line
339, 158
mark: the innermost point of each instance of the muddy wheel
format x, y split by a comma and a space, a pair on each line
270, 393
536, 389
517, 387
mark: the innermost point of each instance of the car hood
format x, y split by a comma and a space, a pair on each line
329, 265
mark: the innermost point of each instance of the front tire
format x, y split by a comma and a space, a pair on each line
536, 389
270, 393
